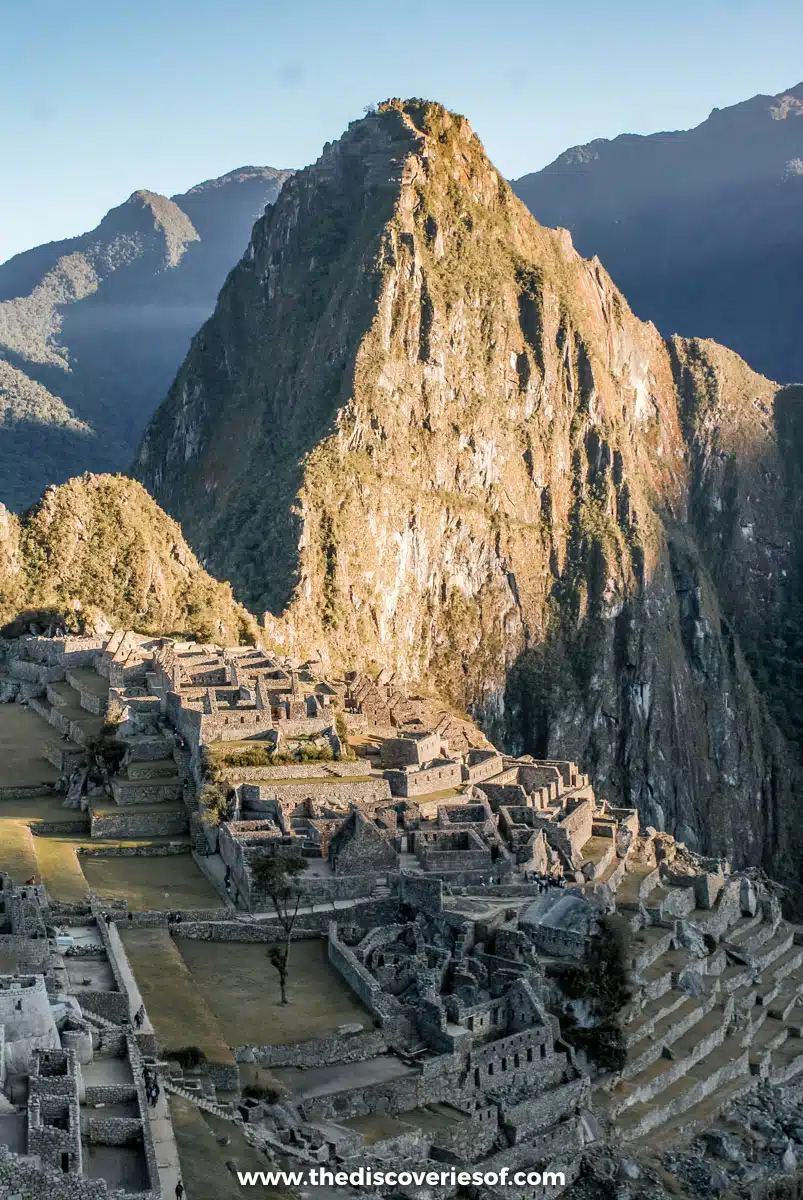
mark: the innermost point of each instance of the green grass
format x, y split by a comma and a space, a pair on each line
17, 852
23, 739
151, 882
46, 807
242, 989
204, 1159
60, 870
175, 1005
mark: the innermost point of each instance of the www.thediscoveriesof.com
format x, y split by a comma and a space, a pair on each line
367, 1177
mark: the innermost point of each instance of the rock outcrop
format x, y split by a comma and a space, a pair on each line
425, 433
93, 329
700, 228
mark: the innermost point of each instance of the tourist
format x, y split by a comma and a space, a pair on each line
179, 1190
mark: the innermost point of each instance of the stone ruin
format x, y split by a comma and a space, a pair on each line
470, 900
71, 1065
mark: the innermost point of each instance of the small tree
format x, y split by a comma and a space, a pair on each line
278, 874
214, 801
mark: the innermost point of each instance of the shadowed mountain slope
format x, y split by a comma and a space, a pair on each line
700, 228
93, 329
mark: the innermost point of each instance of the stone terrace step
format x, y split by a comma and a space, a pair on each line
795, 1021
787, 964
687, 1050
635, 885
75, 722
750, 939
657, 978
786, 1000
84, 728
63, 695
745, 925
769, 1037
31, 672
787, 1061
667, 1031
145, 748
91, 688
698, 1116
774, 949
725, 1062
649, 945
64, 755
145, 791
645, 1019
155, 768
139, 821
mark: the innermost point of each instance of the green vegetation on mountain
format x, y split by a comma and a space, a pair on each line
98, 551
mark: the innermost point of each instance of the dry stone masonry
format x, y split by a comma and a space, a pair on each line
544, 980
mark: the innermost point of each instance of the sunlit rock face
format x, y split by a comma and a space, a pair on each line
422, 431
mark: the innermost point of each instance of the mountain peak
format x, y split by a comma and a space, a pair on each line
97, 325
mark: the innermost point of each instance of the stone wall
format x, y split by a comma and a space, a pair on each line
296, 771
111, 1005
440, 775
319, 1052
114, 1131
129, 823
507, 795
334, 791
397, 1095
575, 826
421, 894
444, 851
361, 981
481, 764
410, 751
33, 954
538, 1112
30, 1181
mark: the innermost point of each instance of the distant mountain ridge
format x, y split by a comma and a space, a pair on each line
93, 328
700, 228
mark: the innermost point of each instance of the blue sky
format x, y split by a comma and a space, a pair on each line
101, 97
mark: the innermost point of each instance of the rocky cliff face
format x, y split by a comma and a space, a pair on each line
98, 552
93, 329
422, 431
700, 228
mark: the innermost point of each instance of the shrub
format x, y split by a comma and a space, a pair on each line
188, 1056
264, 1091
214, 800
602, 981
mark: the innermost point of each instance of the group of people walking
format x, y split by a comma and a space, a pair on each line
152, 1089
153, 1092
545, 882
